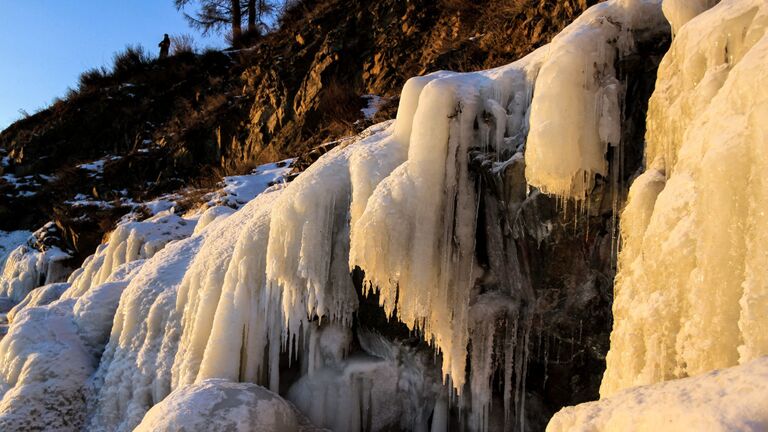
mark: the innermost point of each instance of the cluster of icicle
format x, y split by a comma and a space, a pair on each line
692, 288
398, 201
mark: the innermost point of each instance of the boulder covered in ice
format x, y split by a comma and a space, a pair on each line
217, 405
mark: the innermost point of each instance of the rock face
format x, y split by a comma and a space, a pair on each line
186, 117
560, 257
325, 61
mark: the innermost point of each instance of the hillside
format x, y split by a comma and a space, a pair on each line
385, 216
159, 126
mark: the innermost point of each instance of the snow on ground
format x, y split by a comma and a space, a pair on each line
25, 186
96, 168
373, 104
732, 399
240, 189
82, 200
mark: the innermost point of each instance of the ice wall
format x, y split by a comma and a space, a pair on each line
26, 268
246, 291
690, 293
40, 296
415, 239
206, 284
576, 110
128, 242
164, 320
679, 12
50, 352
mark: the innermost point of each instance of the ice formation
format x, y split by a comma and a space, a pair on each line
195, 314
415, 237
48, 355
135, 369
575, 114
219, 406
387, 386
690, 293
10, 240
129, 242
27, 268
731, 399
679, 12
40, 296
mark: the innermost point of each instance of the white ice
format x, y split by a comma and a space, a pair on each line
222, 406
575, 114
691, 288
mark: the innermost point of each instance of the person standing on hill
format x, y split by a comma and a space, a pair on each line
164, 46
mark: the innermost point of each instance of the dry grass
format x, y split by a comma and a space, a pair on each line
183, 44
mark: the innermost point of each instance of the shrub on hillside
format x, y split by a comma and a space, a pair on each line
130, 59
339, 101
183, 44
92, 78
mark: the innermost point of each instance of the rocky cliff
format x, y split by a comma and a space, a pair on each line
189, 118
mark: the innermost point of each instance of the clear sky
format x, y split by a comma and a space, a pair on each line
46, 44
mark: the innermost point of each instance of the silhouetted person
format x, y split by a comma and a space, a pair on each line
164, 46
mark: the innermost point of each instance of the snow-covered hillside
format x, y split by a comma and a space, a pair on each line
246, 314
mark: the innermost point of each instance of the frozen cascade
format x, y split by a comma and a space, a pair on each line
229, 299
213, 275
309, 245
128, 242
48, 355
27, 268
415, 239
157, 341
40, 296
405, 239
69, 324
679, 12
248, 307
576, 110
692, 262
689, 307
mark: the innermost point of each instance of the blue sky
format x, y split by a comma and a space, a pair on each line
46, 44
